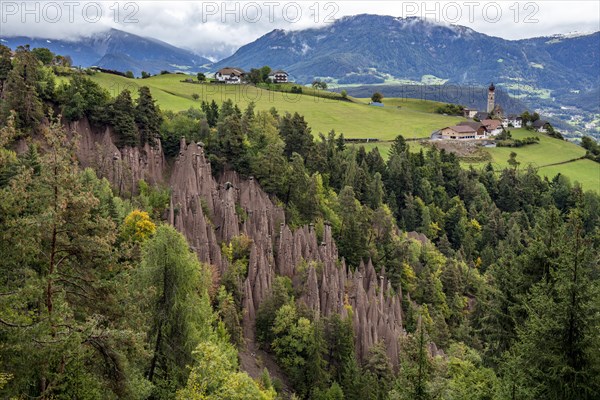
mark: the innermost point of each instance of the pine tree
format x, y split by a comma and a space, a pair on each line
5, 65
295, 132
61, 334
399, 147
416, 364
353, 233
232, 142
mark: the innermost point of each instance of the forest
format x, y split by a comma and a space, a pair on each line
101, 297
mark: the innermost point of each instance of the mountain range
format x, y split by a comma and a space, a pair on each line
369, 49
546, 73
120, 51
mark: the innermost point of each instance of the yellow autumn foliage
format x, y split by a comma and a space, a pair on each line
138, 226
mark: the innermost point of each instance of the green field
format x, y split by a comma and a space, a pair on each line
413, 118
385, 147
547, 151
550, 156
586, 172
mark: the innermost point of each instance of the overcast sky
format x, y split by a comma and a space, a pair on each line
218, 28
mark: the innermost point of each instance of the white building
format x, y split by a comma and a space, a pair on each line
492, 126
279, 76
512, 120
230, 75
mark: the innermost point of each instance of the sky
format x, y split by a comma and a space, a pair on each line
217, 28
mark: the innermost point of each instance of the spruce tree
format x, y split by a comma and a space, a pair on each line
147, 117
123, 120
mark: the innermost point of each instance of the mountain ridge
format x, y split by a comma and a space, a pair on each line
119, 50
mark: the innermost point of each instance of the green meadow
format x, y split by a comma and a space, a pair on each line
548, 151
550, 156
586, 172
355, 119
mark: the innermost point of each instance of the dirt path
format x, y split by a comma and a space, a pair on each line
254, 360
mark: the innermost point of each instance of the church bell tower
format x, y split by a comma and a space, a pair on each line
491, 98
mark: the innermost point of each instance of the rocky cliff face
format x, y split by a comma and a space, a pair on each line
124, 168
208, 213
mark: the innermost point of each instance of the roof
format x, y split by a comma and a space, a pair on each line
513, 116
278, 72
539, 123
491, 123
462, 129
492, 87
473, 124
231, 71
482, 115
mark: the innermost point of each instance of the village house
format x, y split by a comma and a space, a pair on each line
512, 121
279, 76
230, 75
492, 126
540, 126
477, 126
458, 132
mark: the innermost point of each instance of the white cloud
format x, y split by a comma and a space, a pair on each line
217, 28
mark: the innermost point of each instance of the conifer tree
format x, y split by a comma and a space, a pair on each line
177, 282
123, 120
20, 93
147, 116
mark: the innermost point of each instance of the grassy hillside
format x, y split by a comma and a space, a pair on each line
548, 151
551, 156
413, 118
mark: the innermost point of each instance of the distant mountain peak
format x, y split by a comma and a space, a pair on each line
119, 50
375, 49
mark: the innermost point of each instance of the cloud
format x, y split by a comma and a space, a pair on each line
216, 28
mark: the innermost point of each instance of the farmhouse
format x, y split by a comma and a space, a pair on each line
477, 126
278, 76
492, 126
512, 120
540, 126
230, 75
459, 132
